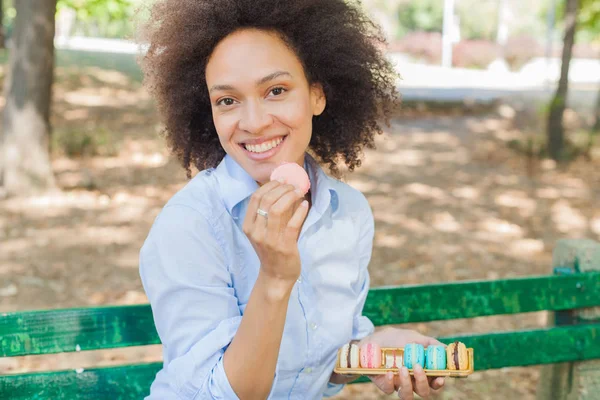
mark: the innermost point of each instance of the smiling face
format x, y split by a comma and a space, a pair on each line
262, 103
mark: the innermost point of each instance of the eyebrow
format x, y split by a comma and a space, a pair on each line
261, 81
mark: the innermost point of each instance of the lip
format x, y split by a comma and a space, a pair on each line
261, 140
267, 154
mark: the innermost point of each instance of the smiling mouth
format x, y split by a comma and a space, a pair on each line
265, 146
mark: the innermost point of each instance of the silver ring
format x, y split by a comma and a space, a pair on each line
262, 213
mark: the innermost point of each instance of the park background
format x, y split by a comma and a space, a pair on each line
470, 180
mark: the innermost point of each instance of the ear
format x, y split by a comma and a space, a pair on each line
318, 100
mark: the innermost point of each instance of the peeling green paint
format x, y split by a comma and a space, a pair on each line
397, 305
115, 383
495, 350
54, 331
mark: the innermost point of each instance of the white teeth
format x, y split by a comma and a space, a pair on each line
261, 148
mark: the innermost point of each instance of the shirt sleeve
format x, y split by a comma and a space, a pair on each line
362, 325
184, 271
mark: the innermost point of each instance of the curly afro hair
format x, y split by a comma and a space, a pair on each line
337, 44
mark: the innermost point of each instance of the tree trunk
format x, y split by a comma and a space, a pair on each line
557, 106
2, 37
25, 145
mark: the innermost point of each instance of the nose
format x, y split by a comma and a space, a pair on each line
255, 118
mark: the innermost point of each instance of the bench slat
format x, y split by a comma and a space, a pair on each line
54, 331
114, 383
397, 305
532, 347
496, 350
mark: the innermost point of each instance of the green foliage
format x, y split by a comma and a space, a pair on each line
83, 142
478, 20
577, 144
100, 18
97, 9
104, 18
588, 19
422, 15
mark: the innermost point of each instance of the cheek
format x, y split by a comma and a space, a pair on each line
295, 114
225, 128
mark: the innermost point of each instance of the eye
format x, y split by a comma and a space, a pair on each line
227, 101
277, 91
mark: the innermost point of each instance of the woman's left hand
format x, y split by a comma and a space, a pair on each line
403, 383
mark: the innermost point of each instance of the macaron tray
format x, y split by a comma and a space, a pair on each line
392, 360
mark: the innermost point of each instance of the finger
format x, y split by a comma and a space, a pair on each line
280, 213
397, 381
421, 383
436, 383
273, 195
254, 203
292, 231
266, 201
388, 383
406, 388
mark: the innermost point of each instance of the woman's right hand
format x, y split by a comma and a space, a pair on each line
275, 236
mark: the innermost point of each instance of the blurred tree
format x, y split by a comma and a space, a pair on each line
24, 145
557, 106
479, 19
105, 18
589, 19
422, 15
2, 38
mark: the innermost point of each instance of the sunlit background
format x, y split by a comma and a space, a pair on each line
463, 183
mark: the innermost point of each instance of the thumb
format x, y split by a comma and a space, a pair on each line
427, 341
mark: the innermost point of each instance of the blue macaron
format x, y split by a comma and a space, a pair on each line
414, 354
435, 357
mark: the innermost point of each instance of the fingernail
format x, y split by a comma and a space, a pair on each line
281, 180
441, 381
417, 367
405, 372
304, 203
299, 192
390, 375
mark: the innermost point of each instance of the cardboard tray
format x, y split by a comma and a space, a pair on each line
383, 370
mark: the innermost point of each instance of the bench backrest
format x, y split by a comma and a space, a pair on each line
56, 331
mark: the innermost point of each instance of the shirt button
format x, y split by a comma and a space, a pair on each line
313, 326
308, 370
299, 280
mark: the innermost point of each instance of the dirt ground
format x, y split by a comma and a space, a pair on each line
451, 202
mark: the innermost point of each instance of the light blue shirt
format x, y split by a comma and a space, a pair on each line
198, 269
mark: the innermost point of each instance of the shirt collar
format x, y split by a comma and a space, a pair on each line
236, 184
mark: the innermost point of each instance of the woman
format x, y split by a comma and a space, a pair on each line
254, 286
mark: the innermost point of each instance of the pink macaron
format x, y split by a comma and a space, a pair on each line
370, 355
293, 174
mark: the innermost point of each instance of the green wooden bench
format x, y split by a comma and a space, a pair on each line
569, 292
